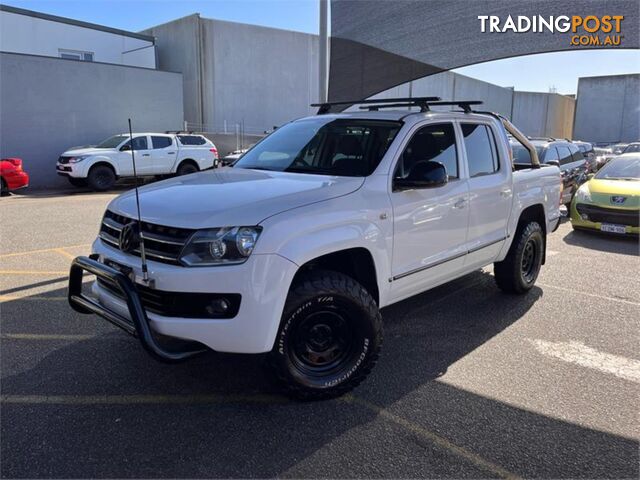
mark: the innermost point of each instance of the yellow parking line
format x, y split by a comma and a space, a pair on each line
34, 336
66, 254
43, 250
141, 399
420, 431
13, 298
33, 272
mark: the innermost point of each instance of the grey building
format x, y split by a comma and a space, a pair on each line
239, 74
607, 109
50, 104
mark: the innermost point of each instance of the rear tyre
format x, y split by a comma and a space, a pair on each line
101, 178
518, 272
4, 189
186, 168
329, 338
77, 182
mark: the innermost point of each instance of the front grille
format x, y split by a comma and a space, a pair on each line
181, 304
64, 160
609, 215
162, 244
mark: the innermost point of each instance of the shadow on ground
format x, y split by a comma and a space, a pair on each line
604, 242
253, 432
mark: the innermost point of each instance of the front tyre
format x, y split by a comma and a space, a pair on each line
101, 178
518, 272
329, 338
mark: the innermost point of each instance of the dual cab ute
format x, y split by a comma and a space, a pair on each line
156, 154
295, 249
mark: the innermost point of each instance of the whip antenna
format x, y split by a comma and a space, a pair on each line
145, 274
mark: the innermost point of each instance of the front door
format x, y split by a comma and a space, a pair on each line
430, 224
142, 150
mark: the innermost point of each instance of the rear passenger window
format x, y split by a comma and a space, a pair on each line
576, 154
161, 142
482, 155
192, 139
565, 155
433, 143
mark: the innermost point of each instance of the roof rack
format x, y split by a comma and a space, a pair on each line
178, 132
421, 102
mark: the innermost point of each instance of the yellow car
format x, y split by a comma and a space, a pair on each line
610, 200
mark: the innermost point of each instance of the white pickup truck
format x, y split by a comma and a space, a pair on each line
295, 249
159, 154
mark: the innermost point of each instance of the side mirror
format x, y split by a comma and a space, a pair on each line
590, 176
553, 162
427, 174
125, 148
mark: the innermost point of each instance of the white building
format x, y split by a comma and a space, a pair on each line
34, 33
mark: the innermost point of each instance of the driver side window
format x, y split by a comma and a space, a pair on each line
433, 143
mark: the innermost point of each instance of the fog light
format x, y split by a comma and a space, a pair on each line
584, 216
219, 305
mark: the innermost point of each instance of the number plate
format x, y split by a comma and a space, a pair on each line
608, 227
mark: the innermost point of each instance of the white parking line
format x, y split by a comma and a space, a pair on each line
587, 294
580, 354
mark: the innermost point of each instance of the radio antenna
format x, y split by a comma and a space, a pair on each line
143, 256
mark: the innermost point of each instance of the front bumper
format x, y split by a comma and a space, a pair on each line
578, 222
262, 281
70, 170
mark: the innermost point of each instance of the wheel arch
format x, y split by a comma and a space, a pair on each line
534, 213
187, 160
103, 163
357, 263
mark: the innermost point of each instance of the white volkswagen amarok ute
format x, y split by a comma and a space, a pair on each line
295, 249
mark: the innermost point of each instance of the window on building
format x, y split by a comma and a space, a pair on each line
161, 142
481, 149
76, 55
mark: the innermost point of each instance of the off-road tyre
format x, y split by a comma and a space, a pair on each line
329, 310
518, 272
186, 167
101, 178
77, 182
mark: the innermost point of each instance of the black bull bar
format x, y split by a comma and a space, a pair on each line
138, 326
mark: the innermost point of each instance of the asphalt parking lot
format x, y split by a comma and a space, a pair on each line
471, 382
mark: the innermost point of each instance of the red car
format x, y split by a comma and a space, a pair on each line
12, 175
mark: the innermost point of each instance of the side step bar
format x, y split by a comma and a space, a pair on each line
138, 326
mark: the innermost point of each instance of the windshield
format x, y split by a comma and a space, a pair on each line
112, 142
321, 146
621, 169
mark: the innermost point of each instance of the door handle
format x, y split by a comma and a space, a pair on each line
145, 154
460, 203
171, 153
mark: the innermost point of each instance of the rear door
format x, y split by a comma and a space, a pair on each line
163, 153
490, 192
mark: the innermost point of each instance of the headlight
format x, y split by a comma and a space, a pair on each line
220, 246
78, 158
583, 194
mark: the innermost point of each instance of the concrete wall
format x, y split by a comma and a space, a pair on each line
608, 109
543, 114
36, 36
238, 73
50, 104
